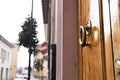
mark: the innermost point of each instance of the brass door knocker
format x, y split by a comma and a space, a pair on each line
85, 31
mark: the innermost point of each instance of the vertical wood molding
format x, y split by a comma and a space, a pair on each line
80, 55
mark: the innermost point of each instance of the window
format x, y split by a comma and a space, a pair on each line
6, 73
3, 55
1, 73
115, 22
8, 56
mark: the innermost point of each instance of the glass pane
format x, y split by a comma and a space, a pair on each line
114, 11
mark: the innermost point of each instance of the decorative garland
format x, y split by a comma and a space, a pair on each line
38, 64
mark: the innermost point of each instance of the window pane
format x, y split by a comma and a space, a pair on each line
114, 11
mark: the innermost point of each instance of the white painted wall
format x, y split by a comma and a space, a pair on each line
7, 61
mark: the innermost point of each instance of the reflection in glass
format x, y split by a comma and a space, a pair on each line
115, 15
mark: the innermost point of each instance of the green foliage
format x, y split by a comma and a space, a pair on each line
38, 64
27, 33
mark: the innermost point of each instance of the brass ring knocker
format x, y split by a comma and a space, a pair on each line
82, 38
85, 31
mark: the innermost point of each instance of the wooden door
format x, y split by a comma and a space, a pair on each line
96, 60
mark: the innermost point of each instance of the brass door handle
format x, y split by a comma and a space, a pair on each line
84, 32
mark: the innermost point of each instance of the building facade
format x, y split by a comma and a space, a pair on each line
14, 56
42, 74
5, 58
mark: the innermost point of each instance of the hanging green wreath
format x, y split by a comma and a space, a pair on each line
38, 64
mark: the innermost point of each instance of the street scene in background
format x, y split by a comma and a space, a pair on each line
14, 59
60, 40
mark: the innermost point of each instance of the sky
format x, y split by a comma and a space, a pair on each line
12, 16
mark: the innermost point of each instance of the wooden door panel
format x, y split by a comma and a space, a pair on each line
96, 61
91, 64
108, 41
